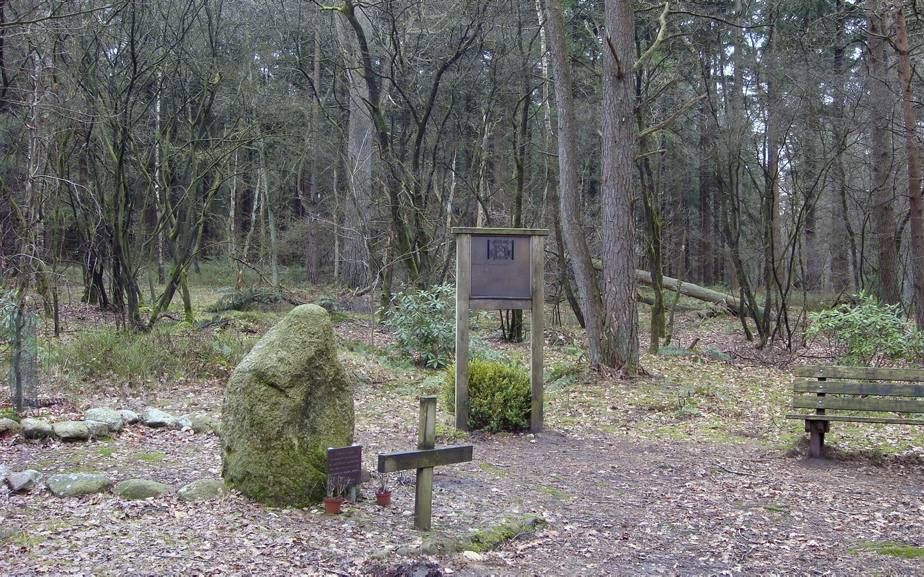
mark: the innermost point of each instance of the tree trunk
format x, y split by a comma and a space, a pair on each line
770, 212
156, 185
706, 180
880, 96
915, 200
313, 258
358, 177
571, 211
618, 160
841, 238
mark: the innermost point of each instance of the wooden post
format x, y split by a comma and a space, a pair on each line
424, 459
537, 332
817, 432
463, 290
426, 439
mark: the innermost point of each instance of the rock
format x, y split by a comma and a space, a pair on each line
204, 424
184, 422
77, 484
285, 404
203, 490
113, 419
157, 418
129, 417
140, 489
472, 556
97, 429
9, 427
72, 430
23, 481
36, 428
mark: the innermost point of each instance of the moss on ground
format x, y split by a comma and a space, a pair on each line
891, 549
490, 538
151, 456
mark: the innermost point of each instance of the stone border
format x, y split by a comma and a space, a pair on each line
101, 422
80, 484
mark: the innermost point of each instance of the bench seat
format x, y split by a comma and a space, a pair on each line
896, 392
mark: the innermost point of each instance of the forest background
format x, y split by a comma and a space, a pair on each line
766, 149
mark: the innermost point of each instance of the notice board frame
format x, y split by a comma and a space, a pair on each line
465, 303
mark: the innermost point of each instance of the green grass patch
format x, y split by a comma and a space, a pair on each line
151, 456
891, 549
23, 539
555, 492
493, 537
492, 470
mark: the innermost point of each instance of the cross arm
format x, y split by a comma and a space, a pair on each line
426, 458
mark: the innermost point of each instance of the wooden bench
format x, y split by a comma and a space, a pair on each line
898, 393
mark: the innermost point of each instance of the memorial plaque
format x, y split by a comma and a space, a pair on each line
346, 464
500, 267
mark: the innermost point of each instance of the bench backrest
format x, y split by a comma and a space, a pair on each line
859, 389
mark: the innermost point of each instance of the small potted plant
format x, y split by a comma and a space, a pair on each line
383, 493
334, 499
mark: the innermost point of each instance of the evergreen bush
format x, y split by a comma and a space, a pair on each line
423, 322
499, 395
866, 331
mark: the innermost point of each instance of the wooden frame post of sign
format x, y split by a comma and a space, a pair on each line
500, 269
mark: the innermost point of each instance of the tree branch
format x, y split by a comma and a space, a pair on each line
674, 115
662, 22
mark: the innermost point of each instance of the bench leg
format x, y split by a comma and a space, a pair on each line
816, 438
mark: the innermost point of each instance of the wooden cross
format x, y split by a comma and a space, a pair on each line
424, 459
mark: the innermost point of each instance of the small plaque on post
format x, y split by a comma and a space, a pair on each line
346, 465
500, 267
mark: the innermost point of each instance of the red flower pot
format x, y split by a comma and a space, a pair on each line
332, 505
383, 498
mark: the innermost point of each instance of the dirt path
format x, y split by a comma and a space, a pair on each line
613, 506
624, 507
614, 503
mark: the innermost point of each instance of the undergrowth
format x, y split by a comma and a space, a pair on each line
136, 357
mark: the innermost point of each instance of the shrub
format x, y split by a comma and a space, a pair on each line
499, 394
865, 332
424, 324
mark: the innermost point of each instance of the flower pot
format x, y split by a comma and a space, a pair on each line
383, 498
332, 505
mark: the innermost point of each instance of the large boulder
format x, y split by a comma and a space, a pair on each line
286, 403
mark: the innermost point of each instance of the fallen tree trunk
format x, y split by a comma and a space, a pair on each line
693, 291
726, 301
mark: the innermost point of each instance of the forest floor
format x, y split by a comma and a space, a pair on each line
689, 470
